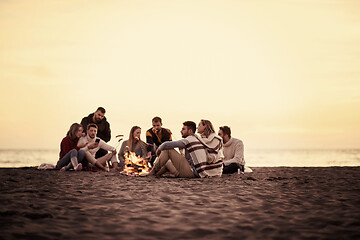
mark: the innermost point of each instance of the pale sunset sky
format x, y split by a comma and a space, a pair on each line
282, 74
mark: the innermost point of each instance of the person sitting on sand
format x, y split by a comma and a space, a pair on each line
157, 135
104, 132
93, 145
70, 154
198, 160
133, 144
208, 136
233, 151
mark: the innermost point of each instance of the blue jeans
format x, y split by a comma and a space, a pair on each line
65, 161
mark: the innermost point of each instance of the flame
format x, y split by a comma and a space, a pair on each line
134, 165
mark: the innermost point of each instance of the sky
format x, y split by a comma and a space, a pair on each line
281, 74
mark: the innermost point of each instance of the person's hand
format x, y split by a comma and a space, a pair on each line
83, 145
158, 152
93, 145
148, 155
113, 152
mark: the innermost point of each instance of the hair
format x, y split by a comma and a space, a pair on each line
226, 130
208, 127
72, 131
91, 125
101, 109
131, 137
157, 119
190, 125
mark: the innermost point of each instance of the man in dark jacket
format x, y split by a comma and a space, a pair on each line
157, 135
104, 131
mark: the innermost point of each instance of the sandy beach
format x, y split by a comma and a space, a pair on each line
270, 203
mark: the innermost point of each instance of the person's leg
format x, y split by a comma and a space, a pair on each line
231, 168
100, 153
171, 168
80, 156
75, 163
181, 164
114, 162
64, 161
178, 162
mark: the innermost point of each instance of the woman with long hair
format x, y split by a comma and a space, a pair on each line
211, 140
205, 128
133, 144
70, 154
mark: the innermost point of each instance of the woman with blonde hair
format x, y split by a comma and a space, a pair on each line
133, 144
210, 139
205, 128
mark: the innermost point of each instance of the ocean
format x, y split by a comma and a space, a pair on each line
253, 157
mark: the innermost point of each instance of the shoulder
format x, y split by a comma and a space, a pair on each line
237, 142
148, 132
167, 130
65, 139
88, 117
105, 121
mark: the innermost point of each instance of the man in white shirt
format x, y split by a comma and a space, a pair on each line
233, 150
93, 144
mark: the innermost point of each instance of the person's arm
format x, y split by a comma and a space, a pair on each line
170, 138
171, 145
84, 123
104, 145
149, 140
238, 156
107, 132
122, 152
65, 146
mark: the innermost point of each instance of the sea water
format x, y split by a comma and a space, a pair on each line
253, 157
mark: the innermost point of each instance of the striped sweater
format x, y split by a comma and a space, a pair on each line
205, 154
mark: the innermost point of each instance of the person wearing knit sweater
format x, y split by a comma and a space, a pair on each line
93, 144
233, 150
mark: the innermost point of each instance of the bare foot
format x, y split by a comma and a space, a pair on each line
63, 169
78, 167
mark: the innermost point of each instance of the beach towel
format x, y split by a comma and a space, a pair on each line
204, 154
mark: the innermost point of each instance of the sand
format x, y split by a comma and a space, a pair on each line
270, 203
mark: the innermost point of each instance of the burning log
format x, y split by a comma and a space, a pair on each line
134, 165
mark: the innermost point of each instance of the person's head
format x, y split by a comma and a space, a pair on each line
205, 127
135, 133
188, 129
156, 123
225, 133
134, 136
99, 114
92, 130
75, 131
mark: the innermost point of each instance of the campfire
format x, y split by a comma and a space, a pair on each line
134, 165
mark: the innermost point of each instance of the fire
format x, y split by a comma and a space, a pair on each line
134, 165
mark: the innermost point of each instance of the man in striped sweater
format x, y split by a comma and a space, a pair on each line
198, 160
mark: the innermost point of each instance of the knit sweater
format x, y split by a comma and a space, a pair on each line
93, 151
233, 152
138, 149
66, 145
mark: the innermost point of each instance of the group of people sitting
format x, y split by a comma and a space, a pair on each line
205, 154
